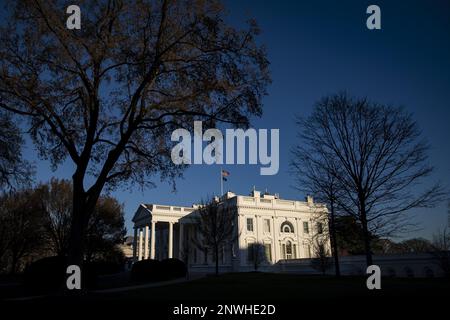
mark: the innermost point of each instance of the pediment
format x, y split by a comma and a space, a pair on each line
141, 213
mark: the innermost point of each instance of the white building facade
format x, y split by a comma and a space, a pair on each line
281, 229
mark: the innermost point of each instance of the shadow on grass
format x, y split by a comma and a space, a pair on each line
279, 287
254, 286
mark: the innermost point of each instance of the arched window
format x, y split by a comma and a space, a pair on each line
287, 227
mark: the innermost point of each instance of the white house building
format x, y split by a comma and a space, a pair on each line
284, 229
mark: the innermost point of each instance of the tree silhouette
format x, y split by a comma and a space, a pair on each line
14, 171
321, 260
441, 250
316, 175
106, 226
107, 96
380, 161
21, 228
216, 228
257, 254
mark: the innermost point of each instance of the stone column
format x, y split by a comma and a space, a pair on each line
146, 243
180, 242
152, 240
242, 248
259, 235
276, 245
299, 241
170, 254
135, 244
140, 244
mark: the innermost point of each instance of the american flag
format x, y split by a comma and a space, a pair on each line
225, 174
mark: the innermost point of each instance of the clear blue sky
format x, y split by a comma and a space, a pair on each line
321, 48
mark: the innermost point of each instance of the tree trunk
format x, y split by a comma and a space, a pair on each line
78, 224
366, 234
334, 240
14, 261
217, 259
77, 232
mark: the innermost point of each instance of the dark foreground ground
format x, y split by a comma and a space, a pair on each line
289, 293
278, 287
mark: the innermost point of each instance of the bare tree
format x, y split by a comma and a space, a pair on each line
108, 96
441, 249
257, 254
106, 226
417, 245
316, 175
216, 227
106, 230
381, 157
321, 260
56, 198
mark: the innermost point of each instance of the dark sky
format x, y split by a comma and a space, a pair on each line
321, 48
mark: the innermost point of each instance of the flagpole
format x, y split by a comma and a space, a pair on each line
221, 182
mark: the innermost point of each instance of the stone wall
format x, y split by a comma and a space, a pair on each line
405, 265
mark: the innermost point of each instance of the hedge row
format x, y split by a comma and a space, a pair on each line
50, 273
154, 270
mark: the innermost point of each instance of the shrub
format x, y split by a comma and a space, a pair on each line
146, 270
93, 269
173, 268
46, 274
154, 270
105, 267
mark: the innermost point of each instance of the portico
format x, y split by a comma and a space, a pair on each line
158, 232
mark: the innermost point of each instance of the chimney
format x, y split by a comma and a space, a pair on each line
229, 195
256, 194
310, 200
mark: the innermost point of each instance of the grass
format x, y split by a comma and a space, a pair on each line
270, 287
291, 294
279, 287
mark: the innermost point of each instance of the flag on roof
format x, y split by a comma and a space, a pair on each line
225, 173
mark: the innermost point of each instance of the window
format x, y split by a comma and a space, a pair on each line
305, 227
288, 250
287, 227
267, 225
308, 251
250, 224
319, 228
268, 251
